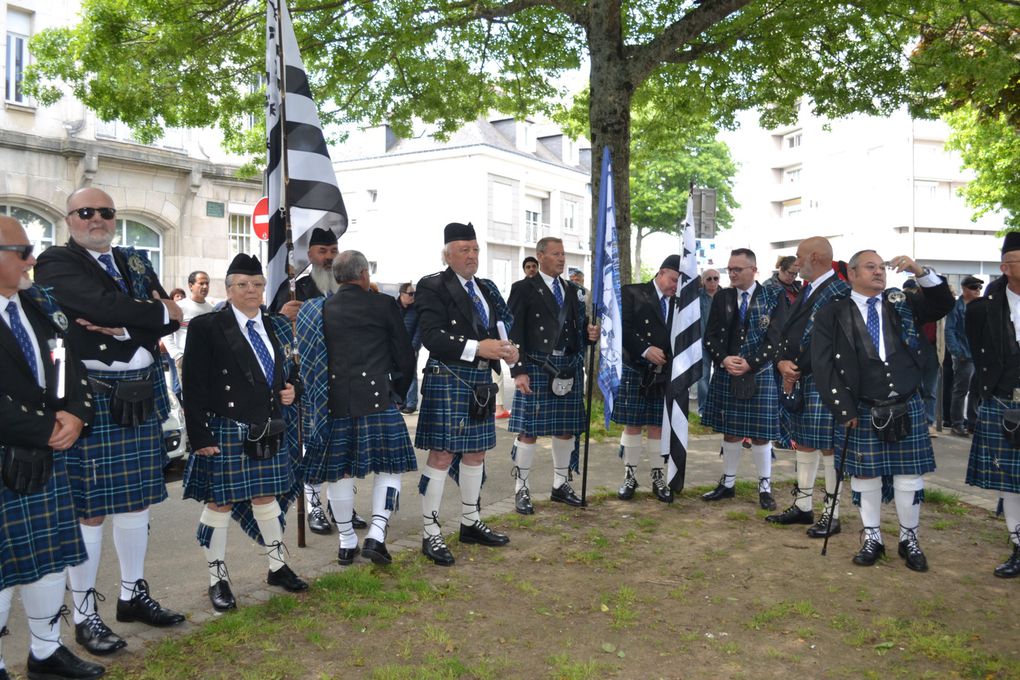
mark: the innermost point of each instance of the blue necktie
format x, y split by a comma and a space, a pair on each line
663, 307
483, 314
21, 335
112, 271
557, 291
261, 351
806, 294
743, 305
873, 322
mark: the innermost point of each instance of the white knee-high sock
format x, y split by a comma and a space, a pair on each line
42, 601
906, 488
871, 505
341, 501
653, 449
385, 499
1011, 511
470, 490
216, 553
267, 516
131, 538
5, 613
763, 462
561, 450
524, 457
807, 470
82, 577
630, 449
431, 489
830, 472
731, 462
313, 495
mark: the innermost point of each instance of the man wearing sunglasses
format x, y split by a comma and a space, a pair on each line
709, 287
410, 315
39, 531
118, 312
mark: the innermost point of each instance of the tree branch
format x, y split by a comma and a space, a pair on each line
575, 11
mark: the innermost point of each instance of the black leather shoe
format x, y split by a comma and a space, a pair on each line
660, 489
792, 515
221, 597
286, 579
869, 553
62, 664
720, 492
629, 486
522, 502
376, 551
910, 551
565, 494
96, 637
1011, 567
143, 608
317, 522
434, 548
766, 501
345, 556
357, 521
482, 535
821, 529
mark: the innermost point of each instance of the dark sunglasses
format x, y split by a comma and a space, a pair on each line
409, 292
974, 287
24, 252
87, 213
711, 278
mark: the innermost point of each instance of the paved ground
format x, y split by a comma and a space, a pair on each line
177, 573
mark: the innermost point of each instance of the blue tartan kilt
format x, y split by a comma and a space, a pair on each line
994, 463
542, 413
231, 476
869, 457
39, 533
814, 427
757, 417
374, 443
443, 420
630, 408
117, 469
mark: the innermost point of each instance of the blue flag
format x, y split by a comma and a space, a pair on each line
606, 289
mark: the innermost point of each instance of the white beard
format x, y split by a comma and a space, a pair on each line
324, 280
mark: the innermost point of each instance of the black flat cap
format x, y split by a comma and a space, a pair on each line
322, 237
245, 264
455, 231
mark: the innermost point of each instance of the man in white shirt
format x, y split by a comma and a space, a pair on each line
197, 304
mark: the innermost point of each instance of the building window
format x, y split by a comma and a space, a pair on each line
792, 176
502, 203
137, 235
792, 209
39, 229
792, 140
532, 226
19, 29
239, 235
570, 216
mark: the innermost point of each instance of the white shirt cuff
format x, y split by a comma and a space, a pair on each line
930, 280
470, 350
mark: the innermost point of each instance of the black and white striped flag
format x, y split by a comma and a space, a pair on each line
685, 336
312, 195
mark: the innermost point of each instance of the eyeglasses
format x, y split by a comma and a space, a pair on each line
24, 252
737, 270
409, 293
713, 278
871, 267
974, 287
246, 285
87, 213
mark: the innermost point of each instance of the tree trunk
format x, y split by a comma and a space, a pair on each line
609, 119
639, 237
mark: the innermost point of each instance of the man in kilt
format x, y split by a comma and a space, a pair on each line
551, 332
44, 404
119, 312
992, 323
866, 356
802, 412
647, 320
464, 322
238, 379
357, 361
742, 397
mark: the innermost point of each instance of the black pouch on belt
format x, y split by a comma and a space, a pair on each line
561, 381
890, 422
653, 382
263, 440
794, 401
483, 401
27, 470
742, 386
132, 402
1011, 426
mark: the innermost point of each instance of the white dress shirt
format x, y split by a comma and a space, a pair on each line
928, 281
471, 346
1014, 311
242, 322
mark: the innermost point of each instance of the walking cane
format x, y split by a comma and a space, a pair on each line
835, 495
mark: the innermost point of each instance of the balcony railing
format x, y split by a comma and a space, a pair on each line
533, 231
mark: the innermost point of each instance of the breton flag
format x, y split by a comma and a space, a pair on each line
292, 123
685, 336
606, 289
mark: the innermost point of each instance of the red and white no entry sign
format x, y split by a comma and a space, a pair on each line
260, 219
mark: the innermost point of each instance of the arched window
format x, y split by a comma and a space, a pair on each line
40, 229
142, 237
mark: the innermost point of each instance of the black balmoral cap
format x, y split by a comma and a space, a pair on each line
245, 264
671, 262
455, 231
1011, 242
322, 237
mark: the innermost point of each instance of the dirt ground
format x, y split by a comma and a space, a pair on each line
638, 590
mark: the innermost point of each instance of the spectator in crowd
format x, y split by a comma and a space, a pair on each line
410, 316
785, 277
709, 287
196, 305
964, 389
530, 266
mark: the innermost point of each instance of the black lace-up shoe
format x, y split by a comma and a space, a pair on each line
629, 486
143, 608
911, 552
62, 664
720, 492
434, 548
1011, 567
357, 521
821, 528
345, 556
317, 522
376, 551
96, 637
482, 535
792, 515
869, 553
565, 494
221, 596
522, 502
660, 489
285, 578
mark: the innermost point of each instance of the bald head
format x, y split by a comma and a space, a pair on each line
13, 268
10, 229
90, 219
814, 255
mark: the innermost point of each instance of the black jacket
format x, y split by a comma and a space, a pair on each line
27, 411
367, 346
725, 335
304, 289
643, 325
537, 328
993, 344
222, 375
85, 290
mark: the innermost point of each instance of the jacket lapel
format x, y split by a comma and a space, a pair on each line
545, 294
239, 347
43, 332
653, 299
8, 343
459, 295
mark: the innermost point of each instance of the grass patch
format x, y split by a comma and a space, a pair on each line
781, 611
737, 516
563, 668
944, 501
